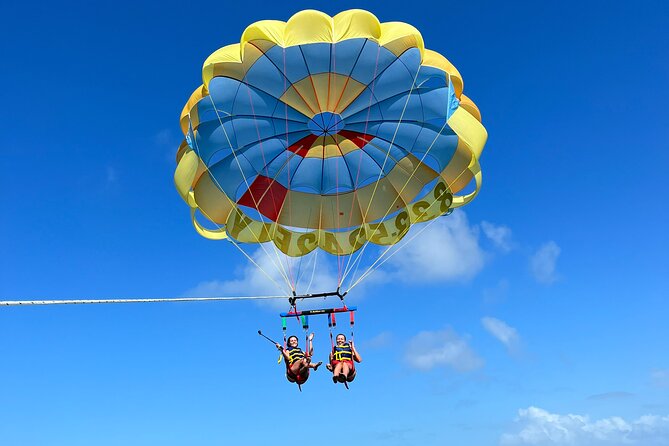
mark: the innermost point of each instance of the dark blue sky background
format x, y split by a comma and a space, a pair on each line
574, 97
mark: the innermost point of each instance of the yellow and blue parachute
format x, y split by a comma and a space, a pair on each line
327, 132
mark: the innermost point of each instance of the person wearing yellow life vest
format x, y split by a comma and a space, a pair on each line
341, 360
297, 362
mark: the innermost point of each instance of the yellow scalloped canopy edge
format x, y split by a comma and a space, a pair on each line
312, 26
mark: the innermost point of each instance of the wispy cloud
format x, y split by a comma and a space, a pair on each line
430, 349
543, 263
271, 276
537, 426
611, 396
383, 339
504, 333
499, 235
448, 250
660, 377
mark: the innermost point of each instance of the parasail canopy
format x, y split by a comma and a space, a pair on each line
327, 132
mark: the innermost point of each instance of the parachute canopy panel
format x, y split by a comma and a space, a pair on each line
327, 132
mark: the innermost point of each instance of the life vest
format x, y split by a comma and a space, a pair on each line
342, 352
295, 354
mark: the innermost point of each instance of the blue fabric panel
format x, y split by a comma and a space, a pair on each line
362, 167
265, 75
308, 176
283, 111
345, 55
253, 102
317, 56
294, 67
222, 91
263, 153
372, 61
211, 138
362, 103
403, 106
378, 150
442, 147
249, 130
283, 167
228, 176
336, 176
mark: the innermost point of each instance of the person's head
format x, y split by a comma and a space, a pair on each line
341, 339
292, 341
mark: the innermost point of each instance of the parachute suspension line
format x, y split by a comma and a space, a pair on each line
313, 271
10, 303
385, 161
230, 239
357, 176
412, 175
271, 191
374, 266
279, 267
365, 274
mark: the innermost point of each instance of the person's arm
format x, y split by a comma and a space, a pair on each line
356, 355
285, 354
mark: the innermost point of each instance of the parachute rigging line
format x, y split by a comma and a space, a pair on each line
9, 303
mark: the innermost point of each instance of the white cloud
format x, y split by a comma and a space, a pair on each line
543, 262
499, 235
540, 427
430, 349
660, 377
504, 333
383, 339
252, 281
448, 250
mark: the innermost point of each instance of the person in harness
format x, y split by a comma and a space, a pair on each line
341, 360
297, 362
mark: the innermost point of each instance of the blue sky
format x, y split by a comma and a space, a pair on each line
553, 331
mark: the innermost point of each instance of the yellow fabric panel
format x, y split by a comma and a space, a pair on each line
469, 130
300, 210
213, 203
342, 211
437, 202
237, 69
474, 169
211, 234
246, 230
376, 198
356, 23
309, 26
411, 177
345, 145
294, 98
307, 92
321, 84
335, 145
184, 176
190, 108
228, 54
436, 60
349, 92
469, 105
271, 30
398, 37
457, 167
